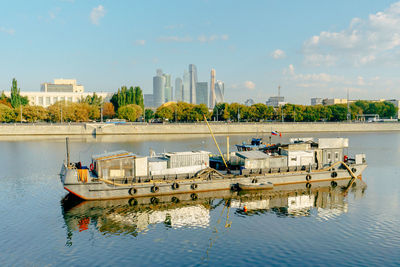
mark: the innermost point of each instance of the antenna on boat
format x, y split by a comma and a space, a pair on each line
215, 141
67, 145
152, 152
227, 148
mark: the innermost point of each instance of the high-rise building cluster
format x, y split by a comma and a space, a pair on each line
187, 89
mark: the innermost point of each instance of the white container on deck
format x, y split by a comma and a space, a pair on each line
188, 158
333, 142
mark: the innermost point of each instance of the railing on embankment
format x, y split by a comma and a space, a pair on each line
190, 128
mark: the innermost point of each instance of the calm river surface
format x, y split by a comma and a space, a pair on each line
320, 226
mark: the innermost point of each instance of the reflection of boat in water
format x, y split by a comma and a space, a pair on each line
135, 215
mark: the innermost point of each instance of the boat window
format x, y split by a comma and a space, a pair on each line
329, 155
336, 155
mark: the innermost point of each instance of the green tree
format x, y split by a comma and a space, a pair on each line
139, 97
261, 111
201, 110
324, 112
139, 110
34, 113
6, 114
339, 112
24, 100
5, 100
165, 112
114, 100
183, 111
149, 114
390, 110
15, 96
221, 112
3, 96
130, 96
129, 112
124, 96
92, 100
234, 109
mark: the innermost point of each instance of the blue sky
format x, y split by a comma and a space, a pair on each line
311, 48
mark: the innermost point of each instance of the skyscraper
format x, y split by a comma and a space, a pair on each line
193, 81
219, 92
178, 89
167, 87
158, 89
148, 100
212, 89
202, 93
186, 87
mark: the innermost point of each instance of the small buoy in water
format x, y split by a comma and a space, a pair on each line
245, 209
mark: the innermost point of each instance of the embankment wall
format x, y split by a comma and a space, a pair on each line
189, 128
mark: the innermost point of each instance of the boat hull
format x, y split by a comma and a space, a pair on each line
95, 189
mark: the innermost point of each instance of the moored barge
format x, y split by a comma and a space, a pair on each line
123, 174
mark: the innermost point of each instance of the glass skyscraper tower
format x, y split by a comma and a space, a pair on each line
158, 89
167, 87
178, 89
202, 93
186, 87
219, 92
212, 89
193, 81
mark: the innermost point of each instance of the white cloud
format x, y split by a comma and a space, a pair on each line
244, 85
331, 85
140, 42
289, 70
7, 30
96, 14
278, 53
376, 38
311, 77
249, 85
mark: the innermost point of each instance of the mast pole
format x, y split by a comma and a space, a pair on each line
227, 148
67, 145
215, 141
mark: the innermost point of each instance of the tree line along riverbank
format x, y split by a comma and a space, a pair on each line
127, 104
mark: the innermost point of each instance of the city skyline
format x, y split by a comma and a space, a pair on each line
187, 89
322, 56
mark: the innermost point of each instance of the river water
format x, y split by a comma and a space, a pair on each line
292, 226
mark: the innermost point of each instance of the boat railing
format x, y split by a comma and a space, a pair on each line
148, 179
285, 169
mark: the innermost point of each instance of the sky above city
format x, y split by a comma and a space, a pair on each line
310, 48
